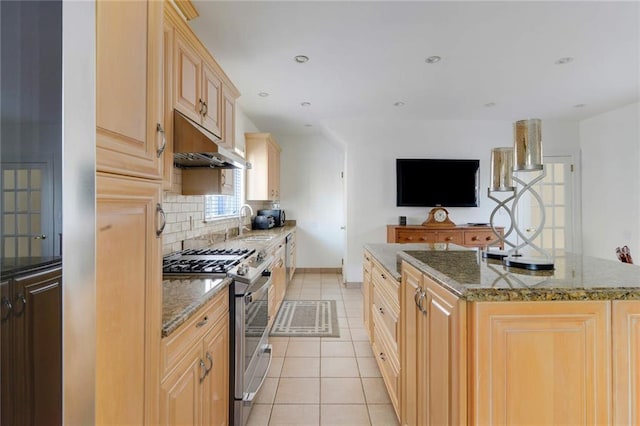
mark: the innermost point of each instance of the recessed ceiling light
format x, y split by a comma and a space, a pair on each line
398, 104
580, 105
490, 104
263, 94
564, 60
301, 59
433, 59
305, 104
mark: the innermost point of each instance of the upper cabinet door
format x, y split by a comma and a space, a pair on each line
211, 99
229, 119
128, 106
187, 74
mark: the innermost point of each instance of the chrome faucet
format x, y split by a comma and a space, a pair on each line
240, 224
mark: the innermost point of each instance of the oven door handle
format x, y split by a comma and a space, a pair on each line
249, 396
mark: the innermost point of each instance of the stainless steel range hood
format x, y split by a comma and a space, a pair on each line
195, 146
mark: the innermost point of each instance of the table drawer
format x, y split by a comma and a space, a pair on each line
408, 236
453, 237
479, 238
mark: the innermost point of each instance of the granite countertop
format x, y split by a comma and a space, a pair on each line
16, 265
183, 296
463, 272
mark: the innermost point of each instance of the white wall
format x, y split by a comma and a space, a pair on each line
610, 146
373, 146
312, 193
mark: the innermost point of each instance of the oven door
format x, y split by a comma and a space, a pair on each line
253, 352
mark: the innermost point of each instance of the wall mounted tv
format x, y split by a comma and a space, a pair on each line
437, 182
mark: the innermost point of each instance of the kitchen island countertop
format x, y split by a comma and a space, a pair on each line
466, 274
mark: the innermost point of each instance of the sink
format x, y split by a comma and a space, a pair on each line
257, 238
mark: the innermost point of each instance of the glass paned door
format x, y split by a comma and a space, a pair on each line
556, 191
27, 219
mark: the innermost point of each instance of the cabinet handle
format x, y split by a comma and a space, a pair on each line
423, 295
416, 295
6, 302
489, 238
40, 237
474, 238
383, 277
164, 219
206, 109
201, 103
210, 359
381, 311
448, 239
164, 139
203, 367
203, 322
20, 298
382, 356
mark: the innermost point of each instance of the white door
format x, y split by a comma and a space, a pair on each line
556, 192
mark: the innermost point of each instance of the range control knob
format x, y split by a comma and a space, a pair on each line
242, 269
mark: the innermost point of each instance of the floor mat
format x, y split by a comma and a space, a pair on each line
306, 318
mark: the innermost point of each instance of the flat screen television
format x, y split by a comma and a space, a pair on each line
437, 182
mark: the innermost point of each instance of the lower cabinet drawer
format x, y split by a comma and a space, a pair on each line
388, 286
384, 318
389, 368
174, 346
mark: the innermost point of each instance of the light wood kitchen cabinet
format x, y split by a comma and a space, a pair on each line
207, 181
128, 300
195, 385
31, 329
367, 287
292, 256
228, 118
129, 114
556, 356
167, 101
278, 275
384, 318
198, 90
433, 351
626, 362
263, 179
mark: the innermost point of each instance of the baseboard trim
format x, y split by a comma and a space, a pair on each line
353, 284
320, 270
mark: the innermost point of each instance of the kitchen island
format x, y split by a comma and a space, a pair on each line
477, 343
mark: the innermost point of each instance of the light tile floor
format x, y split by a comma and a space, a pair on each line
324, 381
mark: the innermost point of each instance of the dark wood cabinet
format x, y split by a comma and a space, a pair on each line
31, 339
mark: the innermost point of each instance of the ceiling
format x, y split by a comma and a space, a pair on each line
498, 59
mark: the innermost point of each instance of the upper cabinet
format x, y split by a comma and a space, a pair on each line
263, 178
229, 118
130, 135
198, 92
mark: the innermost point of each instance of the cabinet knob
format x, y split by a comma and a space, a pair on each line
40, 237
6, 302
422, 238
474, 238
448, 239
20, 298
489, 238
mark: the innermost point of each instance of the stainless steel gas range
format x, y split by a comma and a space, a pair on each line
250, 352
